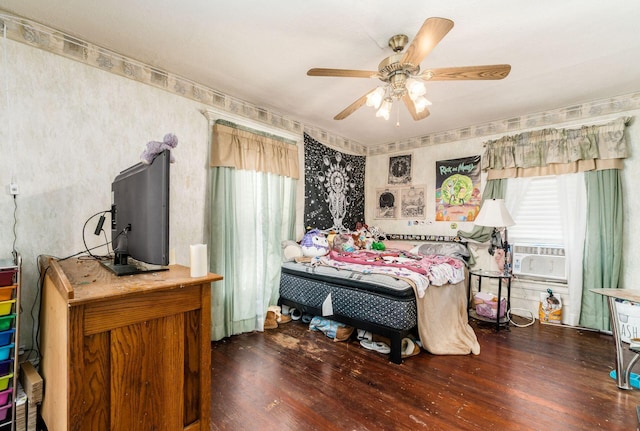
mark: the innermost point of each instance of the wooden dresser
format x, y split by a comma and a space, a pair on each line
125, 353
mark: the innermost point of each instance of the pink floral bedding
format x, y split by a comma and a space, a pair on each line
422, 270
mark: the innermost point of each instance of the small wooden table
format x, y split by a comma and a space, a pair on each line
622, 371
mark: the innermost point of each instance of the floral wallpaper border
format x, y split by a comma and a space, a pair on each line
54, 41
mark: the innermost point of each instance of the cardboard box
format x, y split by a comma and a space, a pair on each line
31, 382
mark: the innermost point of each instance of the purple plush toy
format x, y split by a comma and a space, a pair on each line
154, 148
314, 244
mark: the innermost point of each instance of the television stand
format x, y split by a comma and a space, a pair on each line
125, 353
132, 267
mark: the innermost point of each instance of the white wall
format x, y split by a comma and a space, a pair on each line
66, 130
525, 293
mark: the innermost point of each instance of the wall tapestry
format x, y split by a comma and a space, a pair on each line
400, 169
458, 189
334, 187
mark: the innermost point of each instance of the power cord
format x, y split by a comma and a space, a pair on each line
522, 310
97, 232
521, 325
15, 226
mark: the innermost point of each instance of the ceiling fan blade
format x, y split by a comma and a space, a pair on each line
429, 35
412, 108
343, 73
353, 107
493, 71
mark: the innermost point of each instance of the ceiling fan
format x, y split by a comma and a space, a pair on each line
401, 74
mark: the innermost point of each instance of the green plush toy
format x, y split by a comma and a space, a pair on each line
378, 245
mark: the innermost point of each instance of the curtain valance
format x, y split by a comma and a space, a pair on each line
243, 148
557, 151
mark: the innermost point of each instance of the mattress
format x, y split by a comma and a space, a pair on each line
375, 298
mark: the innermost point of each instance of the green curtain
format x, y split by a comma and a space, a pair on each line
251, 214
603, 245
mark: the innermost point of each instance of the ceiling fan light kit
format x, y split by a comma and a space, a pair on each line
401, 75
385, 108
374, 99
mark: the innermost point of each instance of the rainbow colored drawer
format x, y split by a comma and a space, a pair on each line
4, 396
4, 381
5, 368
5, 352
4, 410
6, 337
5, 307
6, 292
6, 322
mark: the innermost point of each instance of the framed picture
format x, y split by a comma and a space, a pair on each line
413, 202
387, 203
400, 170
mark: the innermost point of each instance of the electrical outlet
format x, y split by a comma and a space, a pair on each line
12, 189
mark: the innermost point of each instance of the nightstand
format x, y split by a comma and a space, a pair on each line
504, 321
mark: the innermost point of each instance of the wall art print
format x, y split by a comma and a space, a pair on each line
334, 187
412, 202
401, 203
458, 189
387, 204
400, 169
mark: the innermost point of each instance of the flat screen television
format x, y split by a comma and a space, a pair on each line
140, 218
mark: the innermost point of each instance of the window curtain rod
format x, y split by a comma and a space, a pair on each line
255, 131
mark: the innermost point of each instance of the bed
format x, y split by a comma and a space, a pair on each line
375, 291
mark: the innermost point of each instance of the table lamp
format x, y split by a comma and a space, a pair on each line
494, 214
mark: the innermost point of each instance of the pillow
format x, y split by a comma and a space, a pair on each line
452, 249
400, 245
290, 250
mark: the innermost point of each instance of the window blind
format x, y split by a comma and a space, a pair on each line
536, 210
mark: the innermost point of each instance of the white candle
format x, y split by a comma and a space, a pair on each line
198, 260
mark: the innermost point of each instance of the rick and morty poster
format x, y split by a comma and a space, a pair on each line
458, 189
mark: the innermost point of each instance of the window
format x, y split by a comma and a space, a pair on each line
536, 207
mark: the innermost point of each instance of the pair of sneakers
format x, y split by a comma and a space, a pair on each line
367, 341
409, 346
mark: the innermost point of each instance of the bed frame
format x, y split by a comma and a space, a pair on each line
357, 306
368, 307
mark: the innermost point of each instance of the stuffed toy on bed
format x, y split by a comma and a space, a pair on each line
344, 242
314, 243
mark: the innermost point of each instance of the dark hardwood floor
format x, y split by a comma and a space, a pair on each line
540, 377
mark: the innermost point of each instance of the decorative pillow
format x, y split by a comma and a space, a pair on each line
452, 249
314, 243
290, 250
400, 245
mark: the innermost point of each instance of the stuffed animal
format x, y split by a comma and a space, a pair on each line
314, 243
154, 148
343, 242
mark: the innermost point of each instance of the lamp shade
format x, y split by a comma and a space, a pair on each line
494, 213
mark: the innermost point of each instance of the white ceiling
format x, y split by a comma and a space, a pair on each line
561, 52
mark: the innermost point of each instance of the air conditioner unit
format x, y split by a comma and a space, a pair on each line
540, 261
